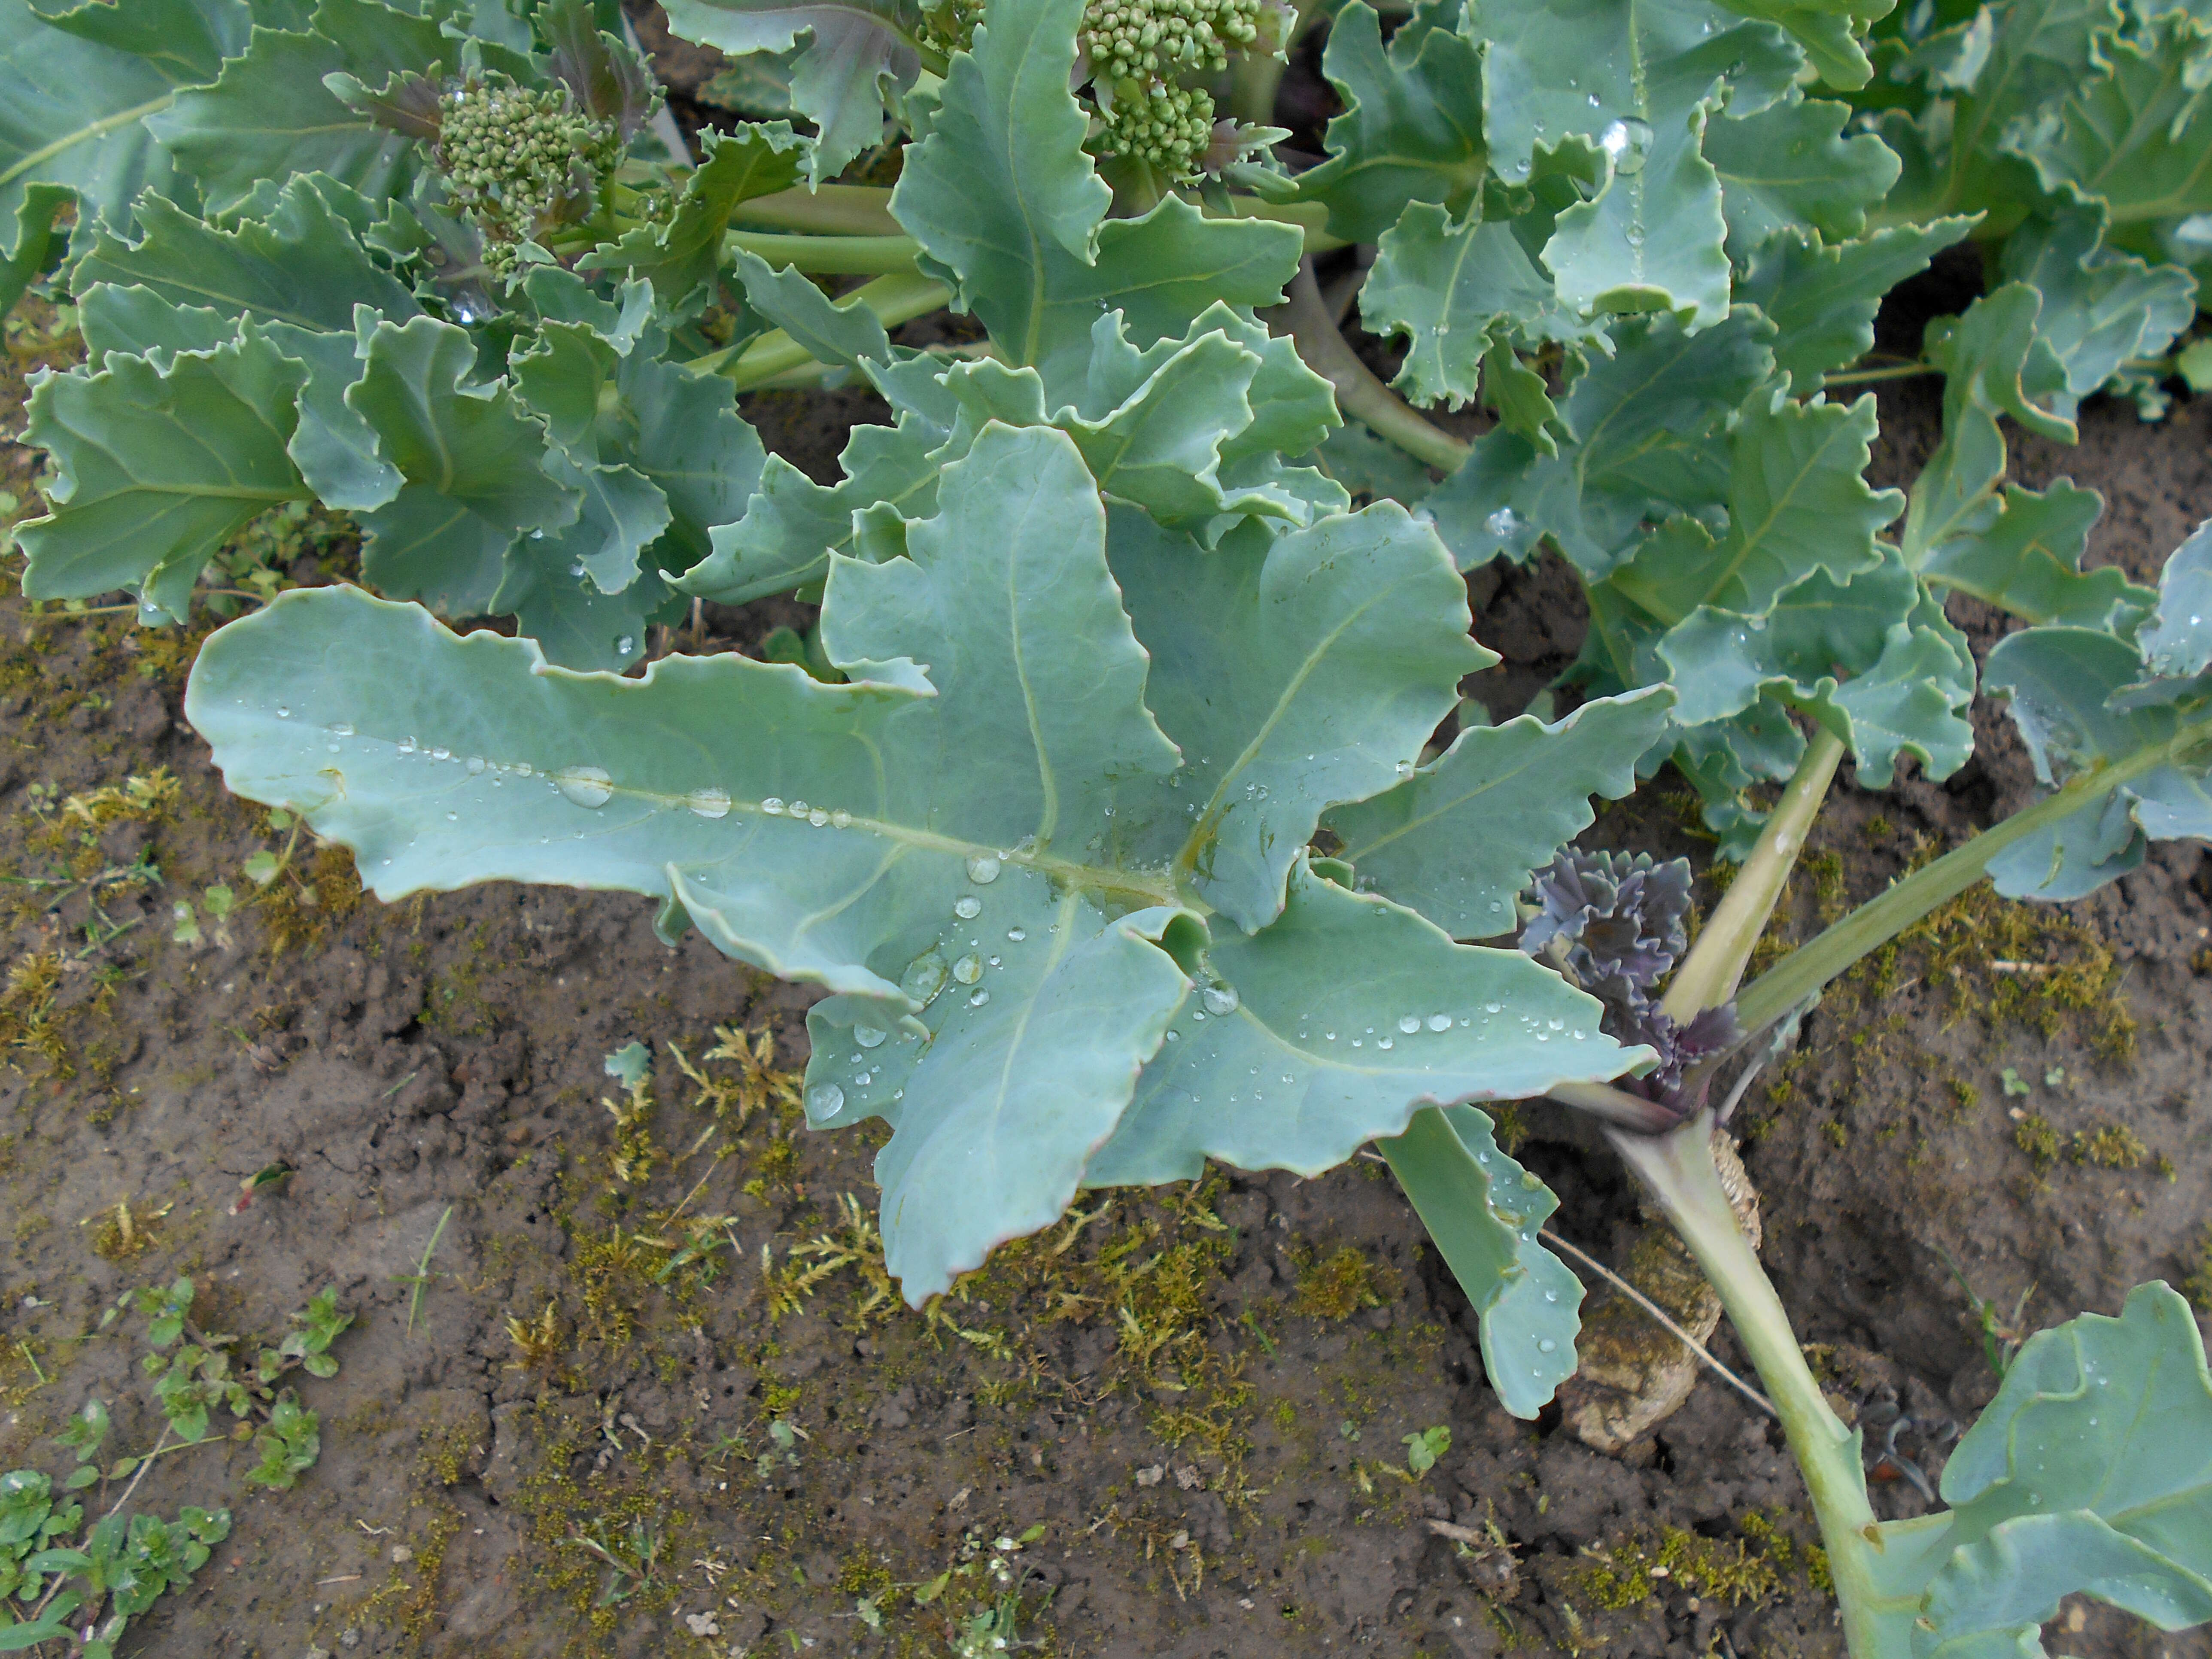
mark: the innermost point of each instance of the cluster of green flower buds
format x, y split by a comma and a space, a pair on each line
1150, 40
1171, 128
517, 161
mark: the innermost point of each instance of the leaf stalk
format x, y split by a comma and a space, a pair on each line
1358, 393
1710, 972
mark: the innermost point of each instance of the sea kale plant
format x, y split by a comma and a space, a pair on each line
1123, 802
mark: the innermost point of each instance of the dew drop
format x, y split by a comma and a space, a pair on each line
624, 646
1628, 142
1356, 1043
798, 809
453, 817
1440, 1021
708, 803
1174, 1036
825, 1100
1547, 1346
1385, 1043
923, 977
1556, 1025
523, 769
818, 816
1218, 998
441, 754
1551, 1296
968, 968
1491, 1007
995, 960
343, 729
1543, 1036
334, 746
979, 998
1410, 1024
968, 906
1503, 523
476, 766
869, 1037
406, 746
840, 819
983, 869
1198, 1013
1403, 769
283, 712
1016, 934
1329, 1036
585, 786
773, 806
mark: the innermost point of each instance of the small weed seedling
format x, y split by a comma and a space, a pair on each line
67, 1579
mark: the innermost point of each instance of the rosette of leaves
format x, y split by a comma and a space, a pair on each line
1051, 874
1613, 923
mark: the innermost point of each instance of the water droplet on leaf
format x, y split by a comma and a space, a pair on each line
825, 1100
923, 977
585, 786
1218, 998
968, 968
983, 869
968, 906
869, 1037
708, 803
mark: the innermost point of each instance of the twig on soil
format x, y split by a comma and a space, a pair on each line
1652, 1308
421, 1276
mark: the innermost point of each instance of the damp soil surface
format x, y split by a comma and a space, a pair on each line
625, 1376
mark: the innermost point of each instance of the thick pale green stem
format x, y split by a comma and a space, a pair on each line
896, 298
1874, 924
831, 211
1677, 1169
829, 255
1358, 393
1709, 974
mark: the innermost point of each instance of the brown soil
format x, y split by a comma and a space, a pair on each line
1199, 1397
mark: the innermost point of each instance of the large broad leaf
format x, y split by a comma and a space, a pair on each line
268, 113
853, 51
75, 93
158, 466
2038, 52
1994, 364
1484, 1211
476, 466
1350, 1013
2022, 552
1789, 166
1797, 502
1637, 83
681, 256
2076, 698
297, 275
2176, 641
1451, 289
943, 842
1867, 658
1822, 299
1185, 429
1285, 669
1643, 440
2090, 1473
2100, 309
1830, 31
1411, 125
2135, 135
1459, 839
1011, 212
